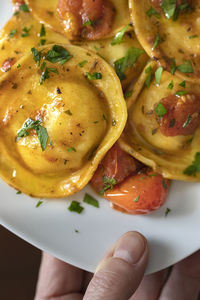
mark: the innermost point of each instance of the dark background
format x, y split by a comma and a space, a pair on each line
19, 265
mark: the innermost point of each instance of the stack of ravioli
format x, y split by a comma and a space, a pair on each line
68, 93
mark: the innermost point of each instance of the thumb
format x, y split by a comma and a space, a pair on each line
119, 274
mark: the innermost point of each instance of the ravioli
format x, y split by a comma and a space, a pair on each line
61, 111
170, 32
116, 53
19, 35
46, 11
163, 126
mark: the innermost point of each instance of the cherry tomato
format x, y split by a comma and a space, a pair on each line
140, 193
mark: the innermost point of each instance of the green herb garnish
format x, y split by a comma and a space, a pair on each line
88, 23
26, 31
149, 76
119, 36
173, 66
182, 84
169, 7
156, 41
127, 61
187, 122
40, 130
171, 85
181, 93
12, 33
24, 7
158, 74
36, 55
168, 210
91, 200
108, 183
186, 67
39, 204
194, 168
152, 12
94, 76
58, 54
71, 149
160, 110
75, 206
128, 94
82, 63
172, 123
42, 31
136, 199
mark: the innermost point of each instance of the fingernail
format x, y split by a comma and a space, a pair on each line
130, 247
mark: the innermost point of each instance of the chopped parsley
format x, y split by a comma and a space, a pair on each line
169, 7
88, 23
182, 84
127, 61
186, 67
136, 199
82, 63
36, 55
19, 193
193, 36
40, 130
94, 76
12, 33
194, 168
108, 183
71, 149
119, 36
152, 12
58, 54
173, 66
164, 184
39, 204
187, 122
171, 85
181, 93
148, 71
158, 74
26, 31
160, 110
156, 41
24, 7
42, 42
91, 200
75, 206
42, 31
167, 211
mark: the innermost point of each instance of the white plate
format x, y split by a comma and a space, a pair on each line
51, 227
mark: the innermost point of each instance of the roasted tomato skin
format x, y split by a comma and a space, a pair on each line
140, 193
116, 164
182, 116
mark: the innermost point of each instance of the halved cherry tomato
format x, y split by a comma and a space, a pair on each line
140, 193
182, 115
114, 168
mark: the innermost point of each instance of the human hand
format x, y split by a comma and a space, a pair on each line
116, 278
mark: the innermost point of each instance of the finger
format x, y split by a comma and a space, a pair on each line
57, 278
183, 283
119, 274
150, 287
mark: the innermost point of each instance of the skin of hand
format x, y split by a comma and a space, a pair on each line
119, 276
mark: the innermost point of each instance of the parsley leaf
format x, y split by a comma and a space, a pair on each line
194, 168
187, 122
91, 200
42, 31
186, 67
119, 36
182, 84
26, 31
12, 33
24, 7
39, 204
127, 61
181, 93
156, 41
168, 210
109, 183
36, 55
160, 110
94, 76
40, 130
169, 7
58, 54
75, 206
136, 199
173, 66
171, 85
149, 76
71, 149
152, 12
82, 63
158, 74
88, 23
